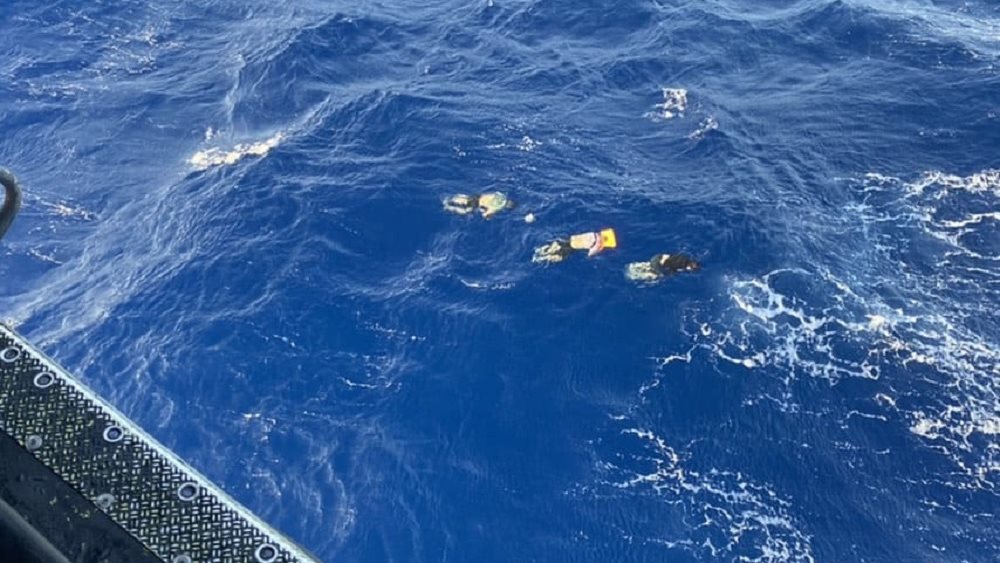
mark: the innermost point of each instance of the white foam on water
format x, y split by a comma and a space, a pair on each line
836, 343
941, 183
924, 318
674, 103
528, 144
525, 144
882, 398
661, 363
973, 219
392, 333
41, 255
66, 211
706, 125
728, 515
487, 286
784, 331
215, 156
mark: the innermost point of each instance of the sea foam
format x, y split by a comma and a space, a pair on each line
215, 156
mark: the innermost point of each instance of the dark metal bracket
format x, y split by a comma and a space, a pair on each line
11, 202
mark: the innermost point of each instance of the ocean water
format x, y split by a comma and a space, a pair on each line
233, 230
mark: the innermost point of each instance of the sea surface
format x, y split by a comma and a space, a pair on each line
233, 229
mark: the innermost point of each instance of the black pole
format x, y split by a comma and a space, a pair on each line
11, 202
20, 541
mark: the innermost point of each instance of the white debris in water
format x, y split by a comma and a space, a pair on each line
528, 144
706, 125
674, 102
219, 157
499, 286
529, 218
63, 210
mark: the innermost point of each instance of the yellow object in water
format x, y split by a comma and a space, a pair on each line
492, 203
608, 238
594, 242
584, 241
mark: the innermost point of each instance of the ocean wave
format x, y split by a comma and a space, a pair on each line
972, 24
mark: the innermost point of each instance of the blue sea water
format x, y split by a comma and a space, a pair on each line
233, 230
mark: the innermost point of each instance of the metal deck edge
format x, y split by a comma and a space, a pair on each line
278, 539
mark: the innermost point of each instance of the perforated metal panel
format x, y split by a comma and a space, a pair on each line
154, 496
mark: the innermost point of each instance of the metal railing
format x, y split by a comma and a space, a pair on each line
107, 484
